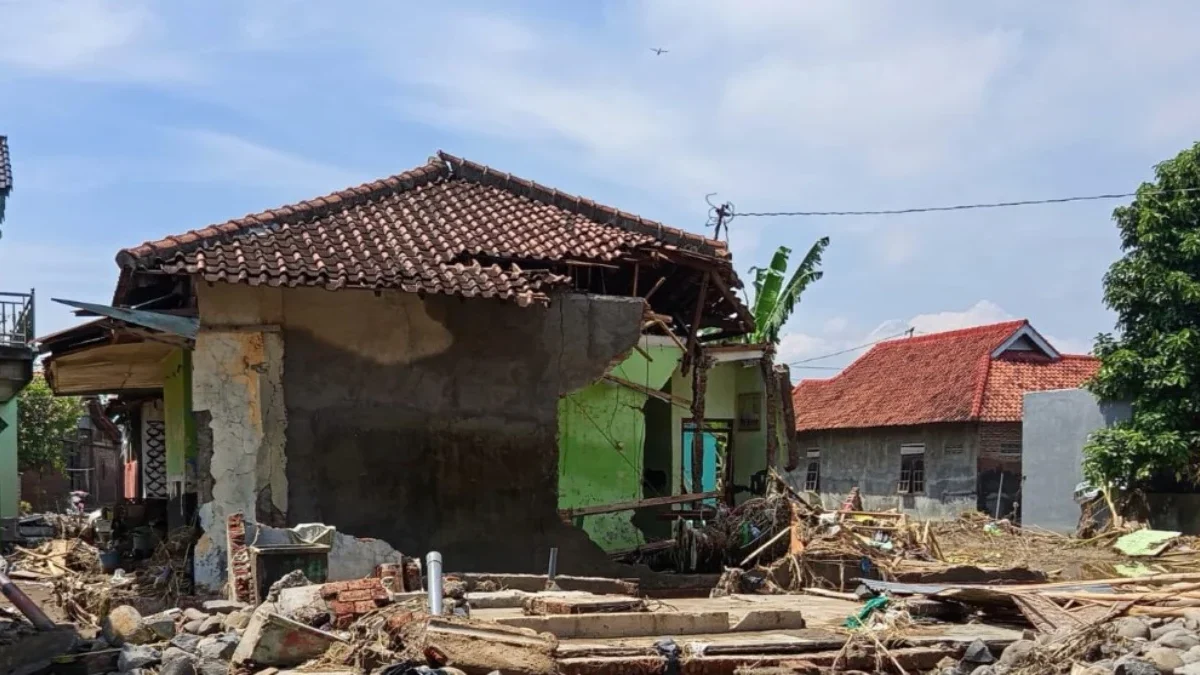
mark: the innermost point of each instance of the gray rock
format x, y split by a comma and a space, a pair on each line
124, 625
182, 666
984, 670
193, 627
1016, 652
218, 647
1164, 628
137, 656
1191, 619
977, 653
1178, 639
1192, 655
223, 606
237, 620
186, 642
1132, 628
1189, 669
172, 653
1165, 658
193, 614
210, 626
1135, 666
212, 667
161, 624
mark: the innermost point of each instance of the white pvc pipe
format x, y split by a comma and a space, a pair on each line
433, 571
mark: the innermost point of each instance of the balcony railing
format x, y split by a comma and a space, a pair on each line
16, 319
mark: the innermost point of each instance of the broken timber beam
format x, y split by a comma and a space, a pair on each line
637, 504
693, 346
743, 313
656, 393
699, 393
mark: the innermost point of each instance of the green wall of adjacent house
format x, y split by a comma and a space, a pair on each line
10, 479
177, 415
601, 436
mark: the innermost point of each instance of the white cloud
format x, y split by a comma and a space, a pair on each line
87, 39
981, 313
217, 157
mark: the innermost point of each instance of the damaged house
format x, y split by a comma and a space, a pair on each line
930, 424
449, 359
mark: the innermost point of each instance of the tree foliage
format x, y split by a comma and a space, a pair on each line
774, 301
1154, 360
44, 420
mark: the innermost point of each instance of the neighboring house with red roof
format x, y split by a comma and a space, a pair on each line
932, 423
394, 359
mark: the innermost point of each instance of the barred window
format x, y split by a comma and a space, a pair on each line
912, 469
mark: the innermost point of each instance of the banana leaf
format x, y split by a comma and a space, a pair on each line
773, 307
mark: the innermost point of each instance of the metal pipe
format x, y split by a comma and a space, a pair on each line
433, 571
22, 602
553, 569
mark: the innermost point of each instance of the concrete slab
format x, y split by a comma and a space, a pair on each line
273, 640
514, 599
543, 604
769, 619
532, 583
623, 624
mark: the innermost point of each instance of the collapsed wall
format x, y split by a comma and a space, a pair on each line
429, 423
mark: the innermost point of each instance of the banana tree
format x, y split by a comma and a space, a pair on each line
773, 300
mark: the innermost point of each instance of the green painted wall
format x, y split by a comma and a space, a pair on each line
720, 403
177, 415
10, 480
601, 433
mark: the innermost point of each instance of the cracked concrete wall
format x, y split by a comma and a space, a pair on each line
431, 423
237, 371
427, 423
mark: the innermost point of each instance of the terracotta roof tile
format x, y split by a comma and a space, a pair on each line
943, 377
450, 226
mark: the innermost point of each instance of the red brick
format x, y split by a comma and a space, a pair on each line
331, 590
339, 607
355, 596
364, 606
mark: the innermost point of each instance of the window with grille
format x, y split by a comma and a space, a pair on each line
812, 477
912, 469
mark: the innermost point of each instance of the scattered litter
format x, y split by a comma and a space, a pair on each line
1145, 542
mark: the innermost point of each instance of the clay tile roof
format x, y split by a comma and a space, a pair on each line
449, 226
942, 377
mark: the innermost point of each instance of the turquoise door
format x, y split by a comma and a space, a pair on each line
714, 441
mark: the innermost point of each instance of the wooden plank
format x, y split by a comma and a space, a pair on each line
640, 388
638, 504
741, 310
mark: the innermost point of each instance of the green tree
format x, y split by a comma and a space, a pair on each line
1154, 360
774, 301
43, 421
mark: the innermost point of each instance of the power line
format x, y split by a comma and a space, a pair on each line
963, 207
847, 350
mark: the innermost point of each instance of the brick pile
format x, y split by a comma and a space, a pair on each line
349, 600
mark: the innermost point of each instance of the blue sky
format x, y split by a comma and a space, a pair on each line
132, 120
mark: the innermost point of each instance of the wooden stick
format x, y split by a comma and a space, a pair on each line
637, 504
644, 353
821, 592
667, 330
778, 535
655, 287
742, 312
642, 389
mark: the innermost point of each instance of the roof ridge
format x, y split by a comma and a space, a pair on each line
982, 371
587, 208
441, 165
957, 332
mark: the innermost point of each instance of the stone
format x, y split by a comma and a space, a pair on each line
237, 620
1189, 669
223, 606
984, 670
193, 614
1016, 652
977, 653
181, 666
137, 656
186, 642
1135, 666
1192, 655
1165, 658
161, 624
172, 653
193, 627
1164, 628
1191, 619
1132, 628
212, 667
1178, 639
124, 625
211, 626
273, 640
218, 647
